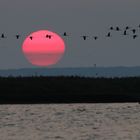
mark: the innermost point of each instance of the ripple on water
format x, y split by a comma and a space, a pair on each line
70, 121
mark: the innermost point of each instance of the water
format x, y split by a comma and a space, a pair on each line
70, 122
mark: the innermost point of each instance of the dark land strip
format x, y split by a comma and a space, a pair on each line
35, 90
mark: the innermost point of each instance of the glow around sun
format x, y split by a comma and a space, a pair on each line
43, 48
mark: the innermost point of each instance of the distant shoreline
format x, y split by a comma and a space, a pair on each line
107, 72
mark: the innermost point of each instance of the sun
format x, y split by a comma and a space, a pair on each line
43, 48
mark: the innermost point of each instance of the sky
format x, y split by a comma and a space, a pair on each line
77, 17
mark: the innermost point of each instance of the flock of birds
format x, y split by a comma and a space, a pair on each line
109, 34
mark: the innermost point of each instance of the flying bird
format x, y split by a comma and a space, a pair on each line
125, 32
65, 34
84, 37
127, 28
108, 35
3, 36
95, 37
31, 37
111, 28
118, 29
49, 36
17, 36
134, 31
135, 36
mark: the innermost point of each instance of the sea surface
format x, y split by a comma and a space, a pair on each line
70, 122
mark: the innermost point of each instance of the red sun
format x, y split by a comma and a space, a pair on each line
43, 48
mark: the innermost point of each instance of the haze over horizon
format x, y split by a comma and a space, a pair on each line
90, 17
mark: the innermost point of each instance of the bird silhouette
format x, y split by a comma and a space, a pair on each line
49, 36
127, 28
135, 36
95, 37
125, 32
134, 31
31, 37
118, 29
108, 35
3, 36
17, 36
84, 37
65, 34
111, 28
